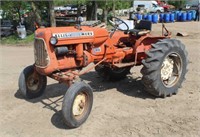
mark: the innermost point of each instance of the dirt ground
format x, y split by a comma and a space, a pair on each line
120, 109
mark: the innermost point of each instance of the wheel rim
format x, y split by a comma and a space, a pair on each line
33, 82
171, 69
80, 105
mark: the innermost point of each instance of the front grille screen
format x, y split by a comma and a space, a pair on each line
41, 55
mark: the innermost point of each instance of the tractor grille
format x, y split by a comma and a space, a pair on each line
41, 55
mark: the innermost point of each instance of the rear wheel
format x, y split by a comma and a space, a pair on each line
31, 83
77, 104
113, 74
165, 67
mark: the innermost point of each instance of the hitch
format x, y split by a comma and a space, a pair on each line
165, 31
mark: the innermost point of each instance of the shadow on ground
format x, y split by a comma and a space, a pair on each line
130, 86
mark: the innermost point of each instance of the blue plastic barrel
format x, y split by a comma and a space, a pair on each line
155, 18
184, 16
149, 17
193, 14
167, 17
139, 16
179, 16
176, 15
173, 12
172, 17
162, 17
189, 16
144, 17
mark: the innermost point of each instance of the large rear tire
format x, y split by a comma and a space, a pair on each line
31, 83
113, 74
77, 104
165, 67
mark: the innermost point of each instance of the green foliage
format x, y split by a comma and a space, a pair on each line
13, 9
60, 2
177, 4
14, 39
119, 4
66, 2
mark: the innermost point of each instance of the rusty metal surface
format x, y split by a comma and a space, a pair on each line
41, 56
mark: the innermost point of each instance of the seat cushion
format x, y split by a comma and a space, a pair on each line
141, 28
138, 32
143, 24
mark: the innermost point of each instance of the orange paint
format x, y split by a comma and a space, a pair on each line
90, 44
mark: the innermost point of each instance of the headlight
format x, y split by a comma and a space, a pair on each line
53, 40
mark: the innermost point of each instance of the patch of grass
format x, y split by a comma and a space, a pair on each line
14, 39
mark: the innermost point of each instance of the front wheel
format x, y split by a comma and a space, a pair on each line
31, 83
165, 67
77, 104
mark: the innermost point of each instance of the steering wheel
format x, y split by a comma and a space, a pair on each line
115, 22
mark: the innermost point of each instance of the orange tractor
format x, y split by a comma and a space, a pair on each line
62, 52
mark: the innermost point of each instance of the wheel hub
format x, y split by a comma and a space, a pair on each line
79, 104
167, 69
33, 83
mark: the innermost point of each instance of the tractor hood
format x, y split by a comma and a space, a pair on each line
73, 35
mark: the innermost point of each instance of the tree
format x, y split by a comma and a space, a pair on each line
38, 9
37, 17
13, 8
43, 11
112, 5
178, 4
60, 2
91, 10
52, 14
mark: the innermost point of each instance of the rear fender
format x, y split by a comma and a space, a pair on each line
142, 45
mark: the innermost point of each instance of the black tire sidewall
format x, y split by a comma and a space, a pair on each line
175, 50
152, 67
24, 88
68, 102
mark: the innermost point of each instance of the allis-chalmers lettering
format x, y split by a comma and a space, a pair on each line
73, 34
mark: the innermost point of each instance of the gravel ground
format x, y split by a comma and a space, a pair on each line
120, 109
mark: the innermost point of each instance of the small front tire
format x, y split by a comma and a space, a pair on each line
77, 104
31, 83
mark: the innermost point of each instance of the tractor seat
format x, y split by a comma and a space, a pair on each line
141, 28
